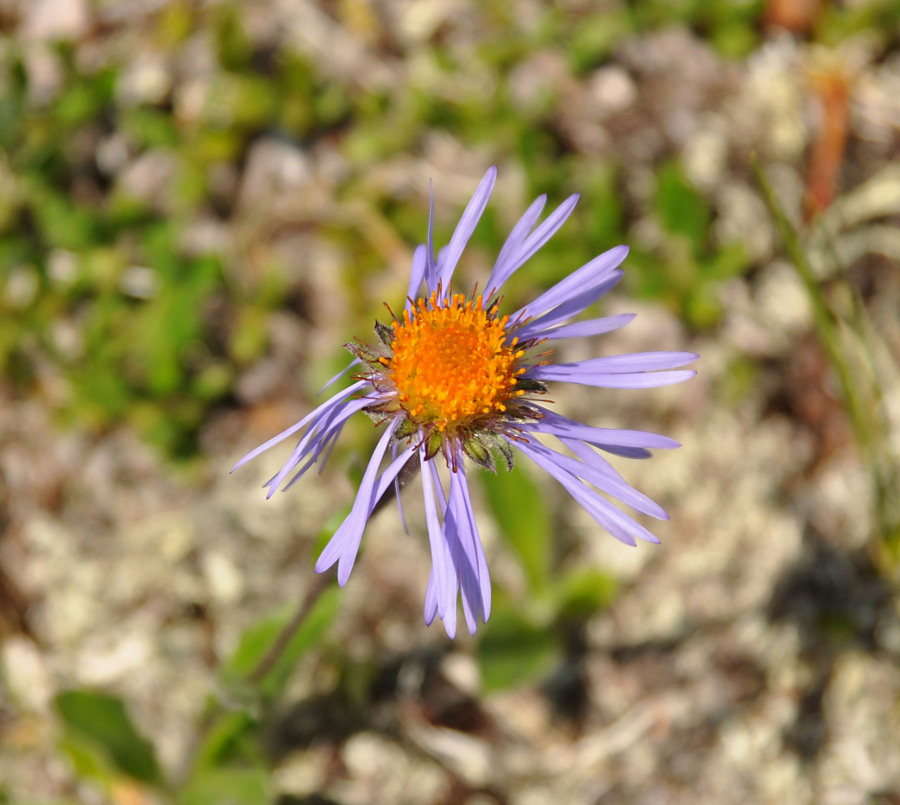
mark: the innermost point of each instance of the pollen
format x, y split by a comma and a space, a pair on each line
453, 363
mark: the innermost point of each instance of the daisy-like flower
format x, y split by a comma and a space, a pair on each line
453, 378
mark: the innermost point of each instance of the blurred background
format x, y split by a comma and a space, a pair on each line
201, 200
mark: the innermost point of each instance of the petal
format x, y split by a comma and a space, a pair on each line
344, 545
430, 600
416, 273
317, 413
596, 470
533, 242
587, 276
537, 328
617, 523
339, 375
397, 496
430, 266
465, 548
313, 440
513, 243
633, 362
572, 373
465, 227
589, 327
559, 425
444, 573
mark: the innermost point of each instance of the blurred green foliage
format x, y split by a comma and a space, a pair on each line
149, 330
101, 740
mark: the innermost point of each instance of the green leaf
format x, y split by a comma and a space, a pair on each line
519, 508
515, 649
98, 724
232, 737
681, 208
227, 786
583, 592
257, 640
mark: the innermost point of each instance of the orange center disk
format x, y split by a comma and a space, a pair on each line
452, 364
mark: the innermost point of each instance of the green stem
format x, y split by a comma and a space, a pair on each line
867, 429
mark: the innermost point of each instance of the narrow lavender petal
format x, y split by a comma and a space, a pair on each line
537, 328
442, 572
386, 479
633, 362
311, 440
450, 615
513, 243
617, 380
468, 529
589, 327
463, 571
626, 452
463, 550
588, 275
329, 403
559, 425
344, 545
538, 238
478, 548
618, 524
339, 375
582, 493
327, 445
466, 226
416, 274
397, 494
430, 600
321, 437
345, 542
430, 265
518, 256
596, 470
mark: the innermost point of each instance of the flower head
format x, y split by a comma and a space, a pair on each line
453, 378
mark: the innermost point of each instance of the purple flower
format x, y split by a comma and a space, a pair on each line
453, 378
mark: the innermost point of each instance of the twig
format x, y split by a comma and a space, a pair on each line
273, 655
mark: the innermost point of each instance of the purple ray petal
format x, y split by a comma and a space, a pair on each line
465, 227
317, 432
416, 274
444, 572
588, 275
331, 402
430, 599
596, 470
589, 327
537, 328
533, 242
633, 362
430, 265
614, 380
618, 524
315, 441
344, 545
513, 243
484, 577
466, 551
559, 425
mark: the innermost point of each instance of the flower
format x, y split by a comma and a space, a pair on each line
453, 378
